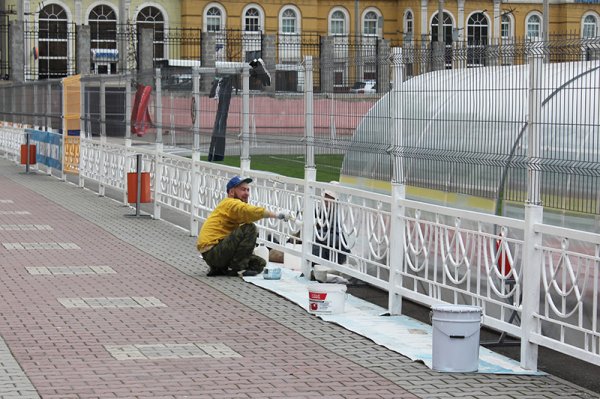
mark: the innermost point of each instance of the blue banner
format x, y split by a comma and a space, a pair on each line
48, 147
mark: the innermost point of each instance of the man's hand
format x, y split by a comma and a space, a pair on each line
286, 216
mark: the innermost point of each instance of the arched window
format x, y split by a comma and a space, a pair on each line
447, 26
534, 26
370, 23
477, 29
252, 20
290, 44
152, 17
409, 25
590, 27
506, 31
103, 27
289, 21
53, 45
214, 20
337, 23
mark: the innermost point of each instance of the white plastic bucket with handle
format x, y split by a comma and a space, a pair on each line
455, 337
326, 298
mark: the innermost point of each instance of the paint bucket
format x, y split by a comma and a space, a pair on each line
272, 273
326, 298
455, 338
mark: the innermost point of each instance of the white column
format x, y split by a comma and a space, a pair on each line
310, 172
424, 24
398, 222
460, 25
128, 158
497, 22
309, 130
23, 8
78, 17
532, 255
158, 108
440, 33
158, 145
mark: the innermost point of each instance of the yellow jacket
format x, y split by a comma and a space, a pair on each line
229, 214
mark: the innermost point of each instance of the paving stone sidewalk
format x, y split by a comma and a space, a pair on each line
96, 304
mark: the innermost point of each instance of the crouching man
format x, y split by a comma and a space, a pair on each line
228, 236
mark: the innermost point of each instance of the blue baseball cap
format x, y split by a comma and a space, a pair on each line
236, 181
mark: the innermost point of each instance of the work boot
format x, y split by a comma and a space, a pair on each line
215, 272
242, 273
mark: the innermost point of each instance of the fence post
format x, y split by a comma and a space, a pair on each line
102, 101
127, 158
532, 255
82, 132
310, 171
23, 105
13, 105
159, 143
245, 159
65, 131
49, 120
48, 107
397, 222
35, 105
195, 182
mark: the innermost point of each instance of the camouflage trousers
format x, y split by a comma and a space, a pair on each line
234, 252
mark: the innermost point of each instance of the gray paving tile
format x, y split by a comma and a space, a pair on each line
176, 248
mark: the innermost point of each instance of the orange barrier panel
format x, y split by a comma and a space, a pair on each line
132, 188
140, 115
32, 160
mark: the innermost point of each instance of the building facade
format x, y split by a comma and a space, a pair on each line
51, 29
486, 22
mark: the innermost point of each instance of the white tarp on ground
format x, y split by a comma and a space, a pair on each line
401, 334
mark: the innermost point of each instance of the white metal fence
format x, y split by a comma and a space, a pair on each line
427, 253
534, 281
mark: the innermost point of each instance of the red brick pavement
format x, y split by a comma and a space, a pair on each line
62, 350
